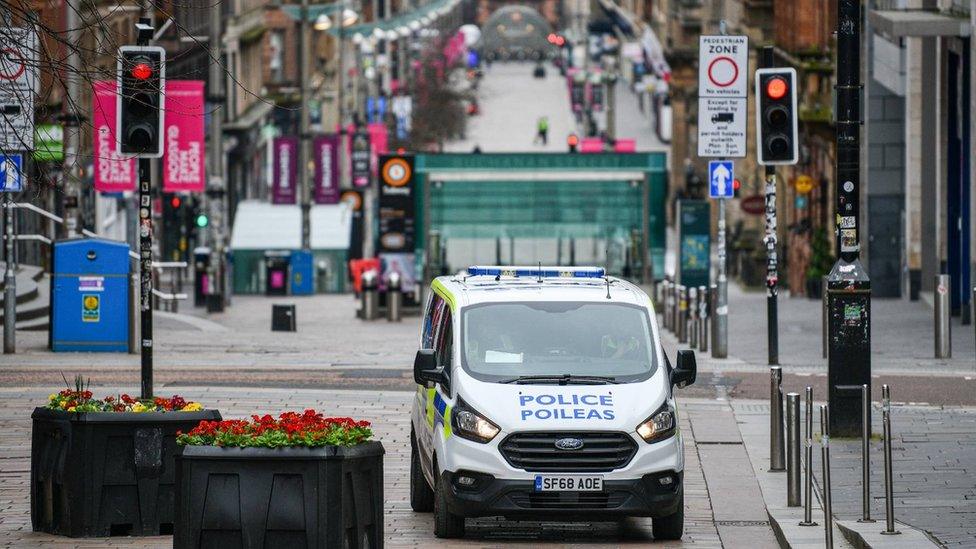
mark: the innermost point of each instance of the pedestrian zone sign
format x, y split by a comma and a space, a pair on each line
11, 173
721, 175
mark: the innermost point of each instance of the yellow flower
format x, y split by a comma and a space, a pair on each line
52, 396
64, 404
192, 407
138, 407
72, 409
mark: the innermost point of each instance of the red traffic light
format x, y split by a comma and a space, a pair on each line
141, 71
572, 140
175, 202
776, 88
736, 184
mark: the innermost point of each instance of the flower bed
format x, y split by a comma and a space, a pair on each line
80, 400
107, 467
298, 480
310, 429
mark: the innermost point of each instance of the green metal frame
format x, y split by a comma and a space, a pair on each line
491, 167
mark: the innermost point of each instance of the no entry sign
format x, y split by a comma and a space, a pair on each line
723, 62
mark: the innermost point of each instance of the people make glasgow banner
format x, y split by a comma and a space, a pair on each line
183, 153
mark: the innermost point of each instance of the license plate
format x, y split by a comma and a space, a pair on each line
568, 483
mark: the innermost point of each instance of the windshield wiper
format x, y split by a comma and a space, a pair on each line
563, 379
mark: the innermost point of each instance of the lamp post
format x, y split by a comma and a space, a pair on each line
345, 17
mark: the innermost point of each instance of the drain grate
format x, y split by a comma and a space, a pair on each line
741, 523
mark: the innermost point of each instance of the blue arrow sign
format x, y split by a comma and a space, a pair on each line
721, 174
11, 173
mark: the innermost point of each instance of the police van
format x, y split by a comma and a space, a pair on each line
544, 393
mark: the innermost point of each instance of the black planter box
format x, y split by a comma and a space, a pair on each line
106, 473
251, 498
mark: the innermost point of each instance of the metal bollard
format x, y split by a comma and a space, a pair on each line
824, 313
792, 449
370, 305
943, 330
865, 454
394, 298
682, 314
808, 466
666, 304
675, 309
889, 489
825, 455
705, 298
777, 453
693, 317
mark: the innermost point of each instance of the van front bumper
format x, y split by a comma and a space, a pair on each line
488, 496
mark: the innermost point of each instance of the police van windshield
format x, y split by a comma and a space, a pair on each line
576, 341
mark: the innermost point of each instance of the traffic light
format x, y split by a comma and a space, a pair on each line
776, 116
202, 220
572, 141
139, 108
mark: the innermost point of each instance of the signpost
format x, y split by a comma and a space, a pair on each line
18, 83
723, 62
722, 91
720, 179
11, 181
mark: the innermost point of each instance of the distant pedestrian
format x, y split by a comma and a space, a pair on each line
542, 130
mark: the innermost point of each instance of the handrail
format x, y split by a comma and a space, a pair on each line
38, 237
35, 209
168, 296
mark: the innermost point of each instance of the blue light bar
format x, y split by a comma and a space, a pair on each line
543, 272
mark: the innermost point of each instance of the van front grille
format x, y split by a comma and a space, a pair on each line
600, 452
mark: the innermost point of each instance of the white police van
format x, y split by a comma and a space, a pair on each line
545, 393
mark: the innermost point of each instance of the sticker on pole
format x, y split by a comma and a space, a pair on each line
722, 91
721, 174
11, 173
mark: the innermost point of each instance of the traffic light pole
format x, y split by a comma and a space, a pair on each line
772, 276
848, 285
145, 261
145, 276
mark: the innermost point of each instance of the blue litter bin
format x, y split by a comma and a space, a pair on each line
90, 296
302, 278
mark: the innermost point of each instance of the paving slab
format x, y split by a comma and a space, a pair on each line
389, 413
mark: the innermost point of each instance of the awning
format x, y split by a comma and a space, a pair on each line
262, 226
899, 23
251, 117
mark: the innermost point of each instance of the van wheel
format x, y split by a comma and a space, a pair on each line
672, 526
446, 523
421, 496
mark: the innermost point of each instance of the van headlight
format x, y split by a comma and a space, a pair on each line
469, 424
659, 426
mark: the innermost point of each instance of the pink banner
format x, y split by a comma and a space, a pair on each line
113, 173
379, 140
183, 158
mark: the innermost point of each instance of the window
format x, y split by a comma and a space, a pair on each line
506, 340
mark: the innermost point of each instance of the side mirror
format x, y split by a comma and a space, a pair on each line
687, 370
425, 368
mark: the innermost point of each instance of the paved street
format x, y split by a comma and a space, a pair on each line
389, 413
511, 101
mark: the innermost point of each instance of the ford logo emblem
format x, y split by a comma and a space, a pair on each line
569, 444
